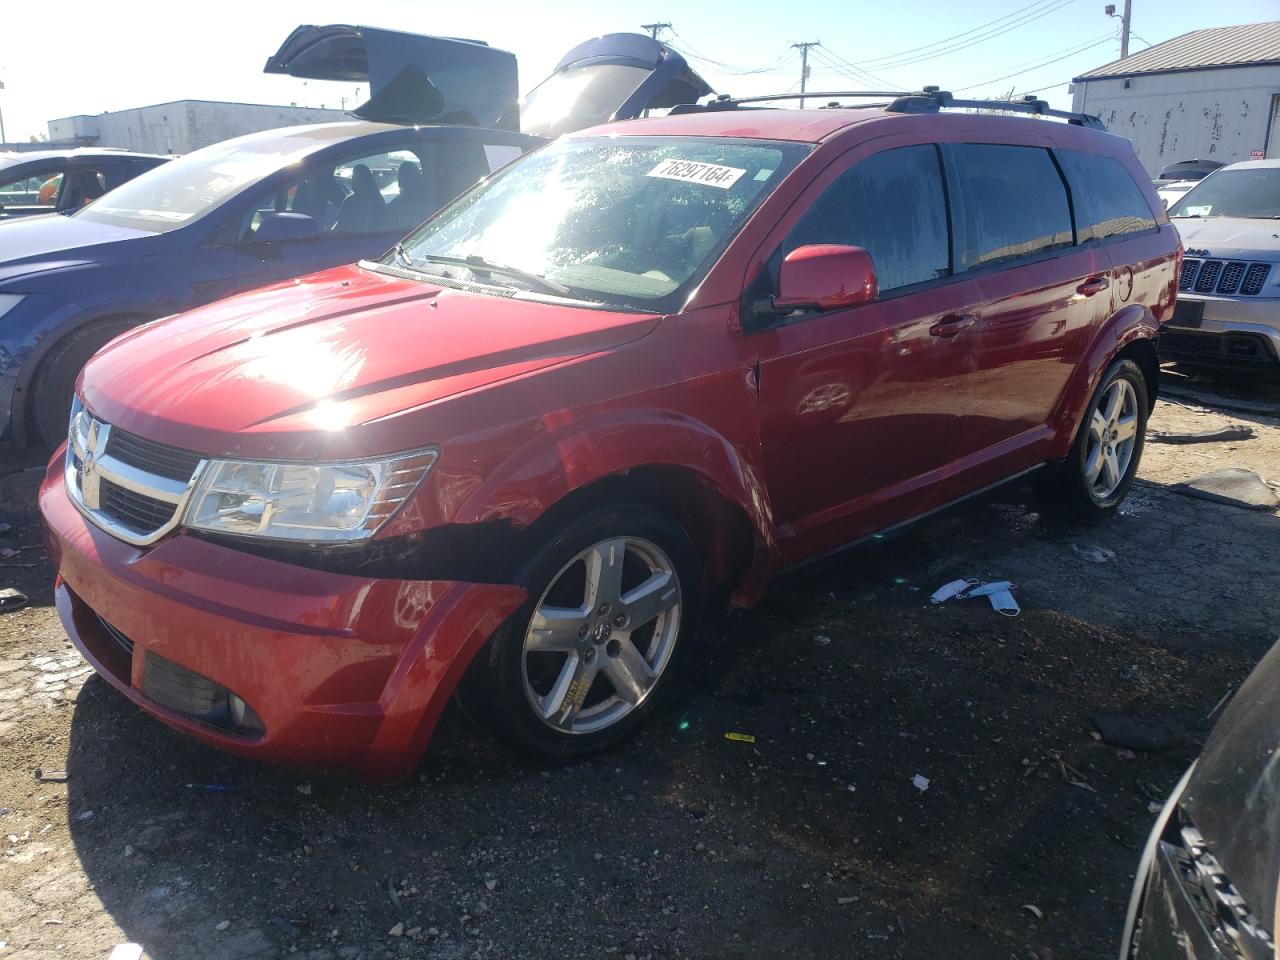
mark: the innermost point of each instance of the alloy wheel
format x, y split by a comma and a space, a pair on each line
1113, 433
601, 635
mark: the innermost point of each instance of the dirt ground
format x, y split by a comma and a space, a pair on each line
813, 842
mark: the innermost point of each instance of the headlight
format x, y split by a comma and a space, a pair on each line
10, 300
325, 502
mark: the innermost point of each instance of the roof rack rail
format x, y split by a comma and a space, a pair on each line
726, 102
927, 100
933, 99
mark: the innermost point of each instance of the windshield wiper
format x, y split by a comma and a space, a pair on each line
479, 264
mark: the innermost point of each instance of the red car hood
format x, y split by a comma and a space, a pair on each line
293, 370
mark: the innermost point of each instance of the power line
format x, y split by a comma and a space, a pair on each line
1054, 6
1045, 63
846, 68
959, 36
689, 50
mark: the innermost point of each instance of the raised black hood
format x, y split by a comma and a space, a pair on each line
412, 78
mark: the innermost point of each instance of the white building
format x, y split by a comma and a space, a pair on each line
1208, 95
180, 126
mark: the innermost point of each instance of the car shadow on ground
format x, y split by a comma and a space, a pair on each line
685, 843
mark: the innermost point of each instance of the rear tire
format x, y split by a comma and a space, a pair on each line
49, 406
1099, 470
601, 640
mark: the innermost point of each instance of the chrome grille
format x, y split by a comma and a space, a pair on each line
1226, 277
155, 457
133, 488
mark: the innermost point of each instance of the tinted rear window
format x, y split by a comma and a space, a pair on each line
1108, 203
1017, 201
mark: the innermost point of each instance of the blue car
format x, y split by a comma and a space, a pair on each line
269, 206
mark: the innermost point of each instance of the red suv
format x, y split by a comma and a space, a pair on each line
615, 385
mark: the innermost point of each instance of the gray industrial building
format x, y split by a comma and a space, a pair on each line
1209, 95
180, 126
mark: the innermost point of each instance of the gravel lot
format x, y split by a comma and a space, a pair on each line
811, 842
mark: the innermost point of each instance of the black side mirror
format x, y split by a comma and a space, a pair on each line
275, 227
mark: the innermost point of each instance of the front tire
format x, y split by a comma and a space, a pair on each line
613, 596
55, 380
1098, 472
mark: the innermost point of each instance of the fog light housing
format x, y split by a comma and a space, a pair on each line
243, 716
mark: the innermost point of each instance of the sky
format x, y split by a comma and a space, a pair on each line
136, 53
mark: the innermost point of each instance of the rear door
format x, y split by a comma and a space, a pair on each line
861, 409
1042, 297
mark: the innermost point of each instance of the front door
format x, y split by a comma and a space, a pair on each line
861, 409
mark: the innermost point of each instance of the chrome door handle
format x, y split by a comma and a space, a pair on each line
952, 325
1093, 285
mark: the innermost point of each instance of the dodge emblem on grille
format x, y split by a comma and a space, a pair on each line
95, 444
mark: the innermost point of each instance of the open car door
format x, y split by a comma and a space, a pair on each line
614, 77
413, 79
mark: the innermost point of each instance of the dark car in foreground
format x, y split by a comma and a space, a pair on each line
1206, 883
612, 388
63, 181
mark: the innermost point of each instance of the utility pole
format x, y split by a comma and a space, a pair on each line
2, 139
804, 65
1125, 21
653, 28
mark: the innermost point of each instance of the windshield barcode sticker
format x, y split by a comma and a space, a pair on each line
691, 171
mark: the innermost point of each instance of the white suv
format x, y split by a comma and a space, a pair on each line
1228, 311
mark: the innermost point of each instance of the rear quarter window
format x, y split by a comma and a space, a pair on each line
1016, 202
1107, 201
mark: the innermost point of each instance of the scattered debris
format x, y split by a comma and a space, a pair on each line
821, 640
51, 776
1135, 733
740, 737
222, 925
920, 782
128, 850
1235, 431
491, 885
126, 951
1032, 909
845, 901
1232, 486
304, 789
999, 592
1093, 553
396, 931
11, 599
84, 815
1224, 403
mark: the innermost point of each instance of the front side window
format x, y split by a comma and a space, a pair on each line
1107, 201
1017, 202
29, 189
894, 206
631, 221
1239, 192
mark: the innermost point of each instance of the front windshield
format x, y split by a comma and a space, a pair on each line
630, 221
180, 191
1246, 192
579, 97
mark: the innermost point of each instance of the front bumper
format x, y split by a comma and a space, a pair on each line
345, 671
1229, 332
